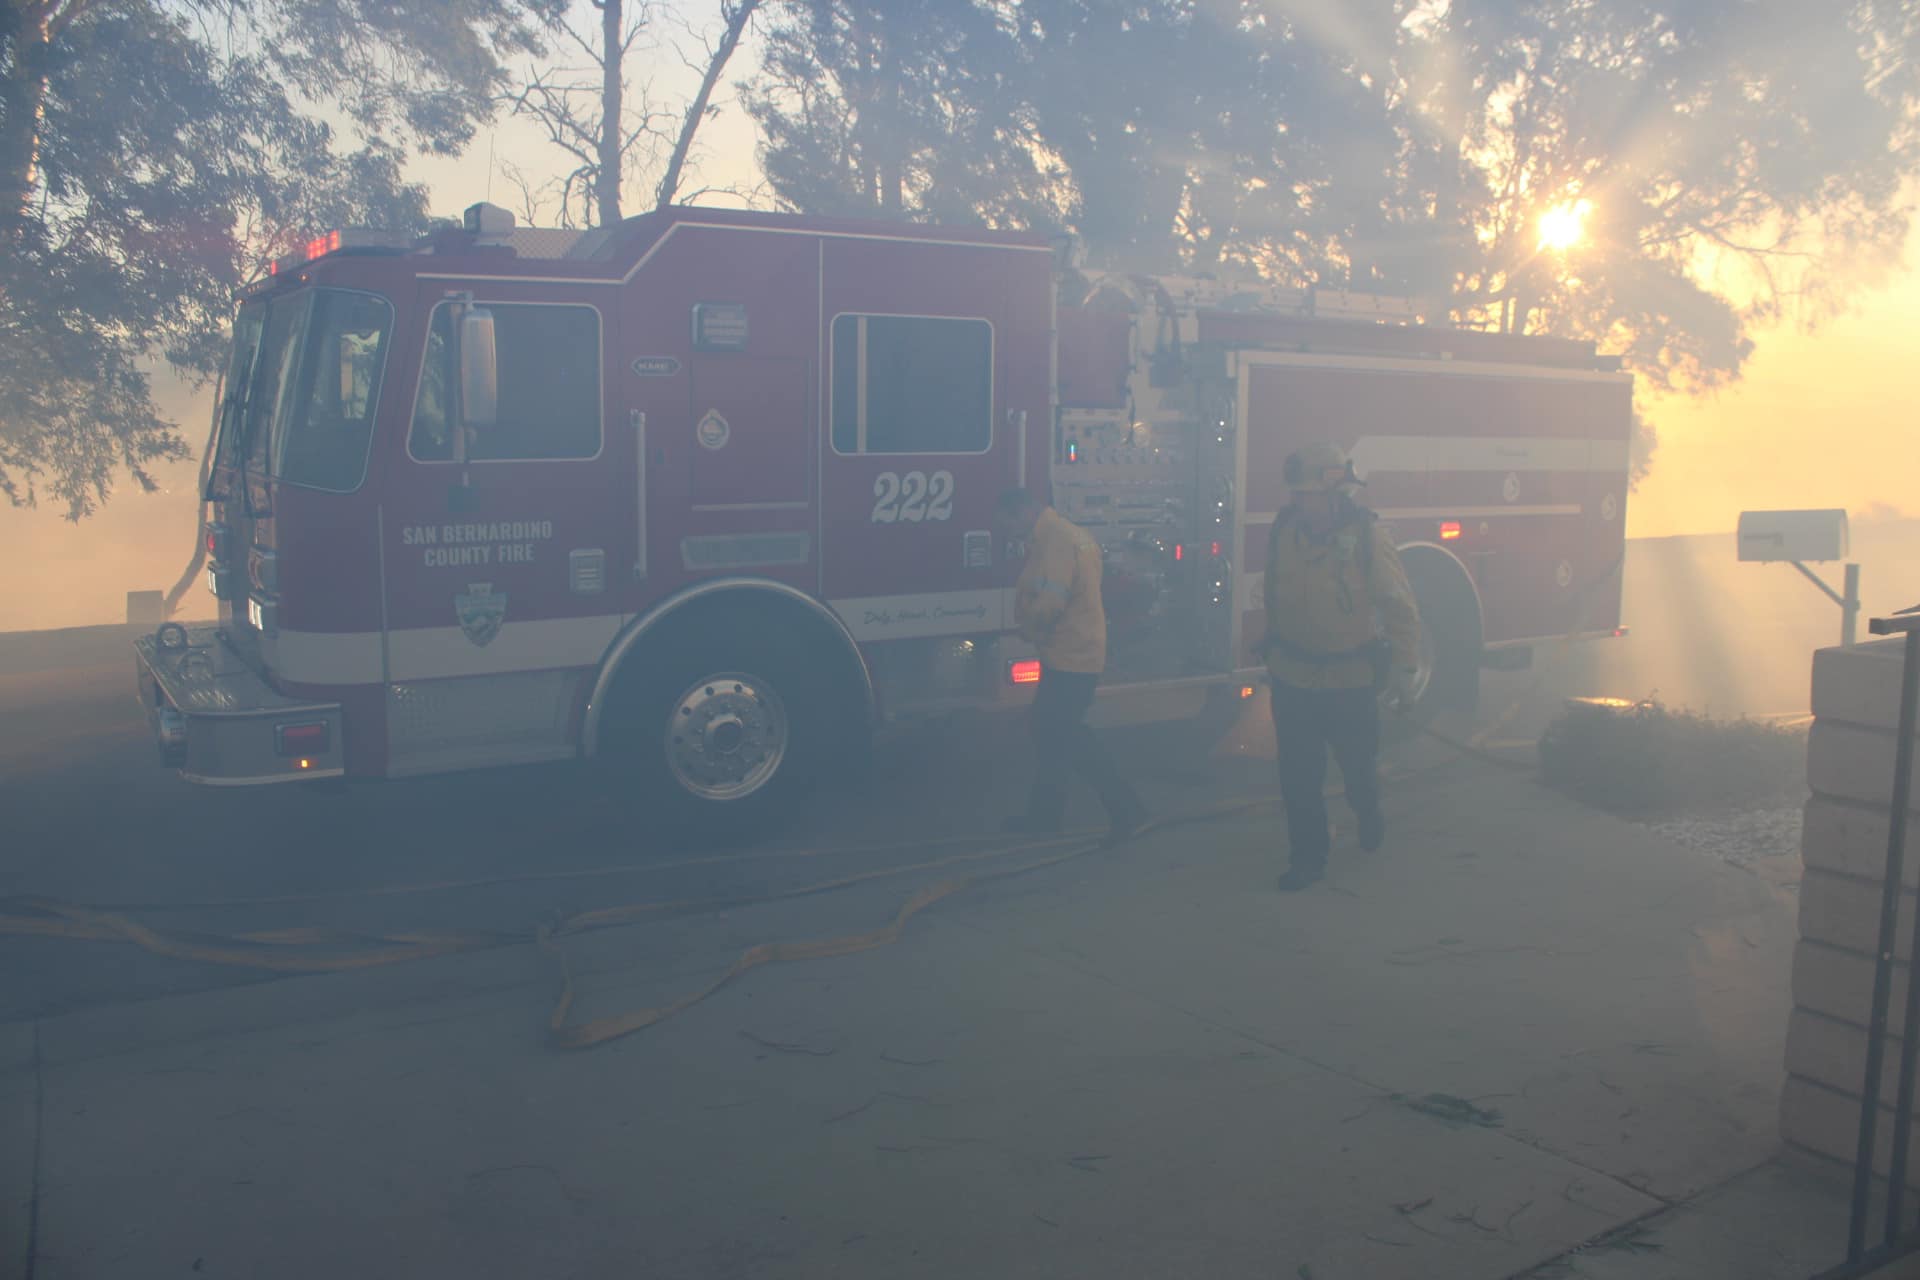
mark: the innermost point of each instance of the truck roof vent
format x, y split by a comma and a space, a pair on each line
488, 219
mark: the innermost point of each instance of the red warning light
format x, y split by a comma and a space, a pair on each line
1179, 552
1216, 549
1449, 530
1027, 672
303, 740
320, 246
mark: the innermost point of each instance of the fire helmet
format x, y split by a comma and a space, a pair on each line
1320, 468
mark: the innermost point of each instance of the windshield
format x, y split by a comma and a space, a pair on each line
302, 388
235, 382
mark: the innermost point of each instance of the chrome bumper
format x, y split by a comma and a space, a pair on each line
218, 722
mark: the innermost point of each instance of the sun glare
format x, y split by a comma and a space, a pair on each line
1563, 226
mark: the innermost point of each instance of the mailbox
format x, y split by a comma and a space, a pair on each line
1775, 536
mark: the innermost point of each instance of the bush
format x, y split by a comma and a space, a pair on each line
1643, 759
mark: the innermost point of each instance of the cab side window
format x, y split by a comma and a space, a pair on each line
912, 384
549, 387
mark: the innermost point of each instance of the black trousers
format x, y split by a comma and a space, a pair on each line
1063, 742
1306, 723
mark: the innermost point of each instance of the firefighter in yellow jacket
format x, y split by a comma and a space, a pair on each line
1057, 608
1342, 627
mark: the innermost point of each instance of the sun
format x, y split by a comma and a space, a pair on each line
1564, 226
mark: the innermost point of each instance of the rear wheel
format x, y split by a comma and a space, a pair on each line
1446, 677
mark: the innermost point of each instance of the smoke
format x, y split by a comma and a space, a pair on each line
1878, 512
70, 575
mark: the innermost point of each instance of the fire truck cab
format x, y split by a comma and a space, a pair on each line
707, 494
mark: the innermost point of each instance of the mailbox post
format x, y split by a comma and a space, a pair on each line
1796, 537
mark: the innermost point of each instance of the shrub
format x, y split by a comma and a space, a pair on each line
1644, 759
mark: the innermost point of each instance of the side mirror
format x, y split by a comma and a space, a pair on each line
479, 370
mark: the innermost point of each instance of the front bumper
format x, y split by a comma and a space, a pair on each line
219, 723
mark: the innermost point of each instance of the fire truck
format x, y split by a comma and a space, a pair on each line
706, 495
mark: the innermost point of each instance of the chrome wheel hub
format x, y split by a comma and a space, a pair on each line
726, 736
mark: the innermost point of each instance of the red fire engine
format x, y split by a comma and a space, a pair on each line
707, 493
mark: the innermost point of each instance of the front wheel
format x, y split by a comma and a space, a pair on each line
726, 737
722, 736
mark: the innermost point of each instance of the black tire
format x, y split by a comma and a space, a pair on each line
1450, 644
756, 711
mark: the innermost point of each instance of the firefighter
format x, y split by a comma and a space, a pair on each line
1342, 627
1057, 607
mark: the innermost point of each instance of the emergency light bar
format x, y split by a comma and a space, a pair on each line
334, 241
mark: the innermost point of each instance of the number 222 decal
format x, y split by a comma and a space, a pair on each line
913, 497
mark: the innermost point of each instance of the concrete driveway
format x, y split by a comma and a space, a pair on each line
1518, 1029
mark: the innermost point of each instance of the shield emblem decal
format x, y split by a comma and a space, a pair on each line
481, 610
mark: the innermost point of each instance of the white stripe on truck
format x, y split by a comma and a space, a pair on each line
1496, 454
1447, 513
937, 613
432, 653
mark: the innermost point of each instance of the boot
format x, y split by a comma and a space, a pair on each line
1373, 830
1045, 816
1300, 876
1127, 824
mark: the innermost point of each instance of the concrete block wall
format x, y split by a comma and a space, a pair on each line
1856, 694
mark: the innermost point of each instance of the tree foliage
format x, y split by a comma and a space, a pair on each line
154, 155
1724, 162
909, 108
1735, 161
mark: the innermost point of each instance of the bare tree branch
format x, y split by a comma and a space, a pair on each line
593, 115
533, 195
735, 14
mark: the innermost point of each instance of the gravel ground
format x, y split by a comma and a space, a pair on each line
1743, 838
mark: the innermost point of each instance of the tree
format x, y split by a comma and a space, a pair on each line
585, 114
1208, 135
907, 108
154, 155
583, 110
1168, 134
1706, 166
1658, 179
734, 17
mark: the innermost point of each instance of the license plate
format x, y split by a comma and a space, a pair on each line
213, 580
255, 618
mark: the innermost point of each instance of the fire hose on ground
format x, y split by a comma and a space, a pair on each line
316, 951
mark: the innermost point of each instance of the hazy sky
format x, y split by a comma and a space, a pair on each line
1825, 419
1820, 420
